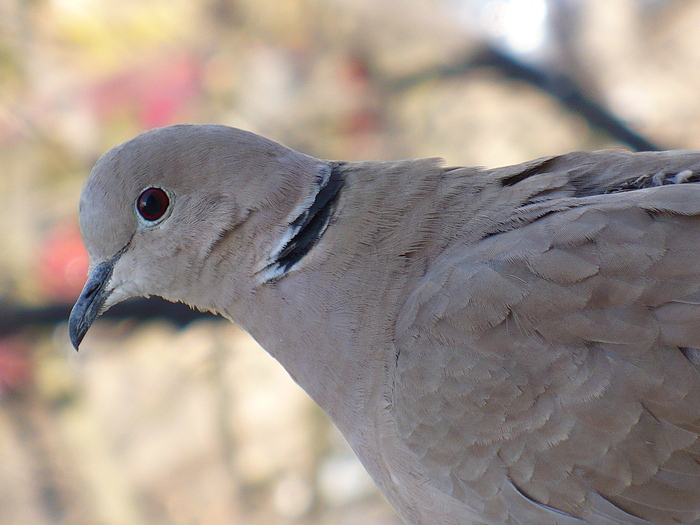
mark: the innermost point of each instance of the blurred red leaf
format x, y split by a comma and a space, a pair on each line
157, 92
62, 263
15, 365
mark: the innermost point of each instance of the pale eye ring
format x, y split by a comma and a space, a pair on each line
152, 204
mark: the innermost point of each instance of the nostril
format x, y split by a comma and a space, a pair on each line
90, 291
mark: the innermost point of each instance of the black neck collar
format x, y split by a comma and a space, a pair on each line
307, 228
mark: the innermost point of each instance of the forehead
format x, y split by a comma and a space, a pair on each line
184, 159
169, 158
106, 221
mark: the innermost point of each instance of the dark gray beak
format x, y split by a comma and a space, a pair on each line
90, 303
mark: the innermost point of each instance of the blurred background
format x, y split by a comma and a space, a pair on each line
183, 419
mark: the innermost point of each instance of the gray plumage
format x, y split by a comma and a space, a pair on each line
518, 345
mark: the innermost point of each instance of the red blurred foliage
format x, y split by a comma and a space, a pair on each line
363, 116
16, 365
158, 92
62, 263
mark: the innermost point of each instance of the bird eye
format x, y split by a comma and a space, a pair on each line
152, 204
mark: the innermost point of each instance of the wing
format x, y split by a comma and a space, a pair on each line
555, 366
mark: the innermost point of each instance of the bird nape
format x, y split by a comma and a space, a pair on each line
499, 346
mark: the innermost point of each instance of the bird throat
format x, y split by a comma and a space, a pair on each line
305, 230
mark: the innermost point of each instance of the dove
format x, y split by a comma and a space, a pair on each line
518, 345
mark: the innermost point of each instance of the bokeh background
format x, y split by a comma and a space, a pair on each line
153, 423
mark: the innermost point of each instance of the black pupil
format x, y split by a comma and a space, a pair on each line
152, 204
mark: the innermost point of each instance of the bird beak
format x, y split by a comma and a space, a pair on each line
89, 304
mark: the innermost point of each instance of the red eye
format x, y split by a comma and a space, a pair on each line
152, 204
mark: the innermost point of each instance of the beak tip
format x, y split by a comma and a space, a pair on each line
75, 341
75, 331
88, 306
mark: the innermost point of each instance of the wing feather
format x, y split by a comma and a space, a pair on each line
553, 358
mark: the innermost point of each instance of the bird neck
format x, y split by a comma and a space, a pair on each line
330, 321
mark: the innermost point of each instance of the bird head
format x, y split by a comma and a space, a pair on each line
174, 210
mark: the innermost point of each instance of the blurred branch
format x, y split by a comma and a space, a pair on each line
15, 318
557, 84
